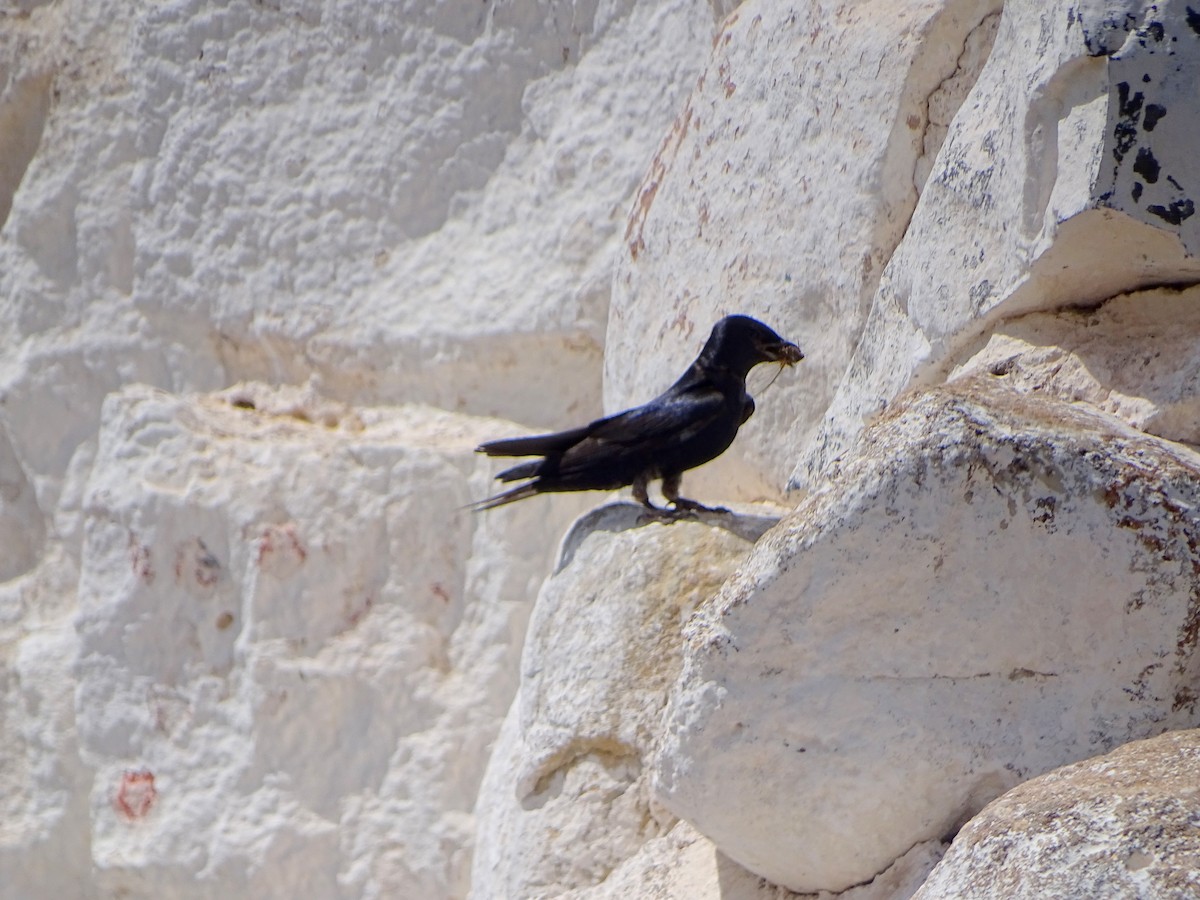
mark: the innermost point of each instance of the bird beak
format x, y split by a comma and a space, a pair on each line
783, 352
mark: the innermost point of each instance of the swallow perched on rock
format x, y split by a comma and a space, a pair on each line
690, 423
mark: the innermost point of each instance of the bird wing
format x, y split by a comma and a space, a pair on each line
636, 436
673, 417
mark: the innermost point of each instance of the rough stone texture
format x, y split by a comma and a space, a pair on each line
684, 865
1026, 207
782, 191
414, 203
1145, 169
388, 203
1135, 357
681, 865
425, 203
993, 585
1122, 825
292, 650
566, 798
22, 530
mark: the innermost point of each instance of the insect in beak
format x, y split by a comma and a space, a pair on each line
783, 364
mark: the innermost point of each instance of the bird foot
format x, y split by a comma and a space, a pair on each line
681, 508
666, 516
682, 504
652, 513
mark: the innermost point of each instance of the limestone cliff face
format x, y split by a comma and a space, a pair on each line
269, 271
266, 272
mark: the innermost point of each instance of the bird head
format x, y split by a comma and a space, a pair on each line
739, 343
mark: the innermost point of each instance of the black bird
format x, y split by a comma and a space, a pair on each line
692, 422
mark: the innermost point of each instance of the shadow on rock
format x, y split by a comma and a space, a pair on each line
616, 517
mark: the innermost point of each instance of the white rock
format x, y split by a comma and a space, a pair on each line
685, 865
992, 586
390, 204
1153, 67
1019, 213
565, 800
44, 838
22, 532
781, 191
1135, 357
1121, 825
261, 652
294, 644
681, 865
412, 204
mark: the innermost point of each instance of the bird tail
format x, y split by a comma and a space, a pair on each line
510, 496
524, 470
535, 445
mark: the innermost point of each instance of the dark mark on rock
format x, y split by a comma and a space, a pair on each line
1107, 35
1129, 108
980, 293
1154, 112
1184, 697
1175, 213
1146, 165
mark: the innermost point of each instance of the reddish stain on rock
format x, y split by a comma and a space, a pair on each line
357, 614
282, 540
135, 794
440, 592
659, 167
726, 81
139, 560
194, 561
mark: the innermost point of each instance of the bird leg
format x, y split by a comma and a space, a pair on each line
641, 494
670, 489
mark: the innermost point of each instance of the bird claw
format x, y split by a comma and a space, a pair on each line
652, 513
655, 514
682, 504
680, 510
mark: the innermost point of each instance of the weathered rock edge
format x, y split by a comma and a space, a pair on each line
991, 586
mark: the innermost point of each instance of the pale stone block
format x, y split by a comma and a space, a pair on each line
1119, 825
992, 585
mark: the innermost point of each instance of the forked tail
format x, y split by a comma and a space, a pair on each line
509, 496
